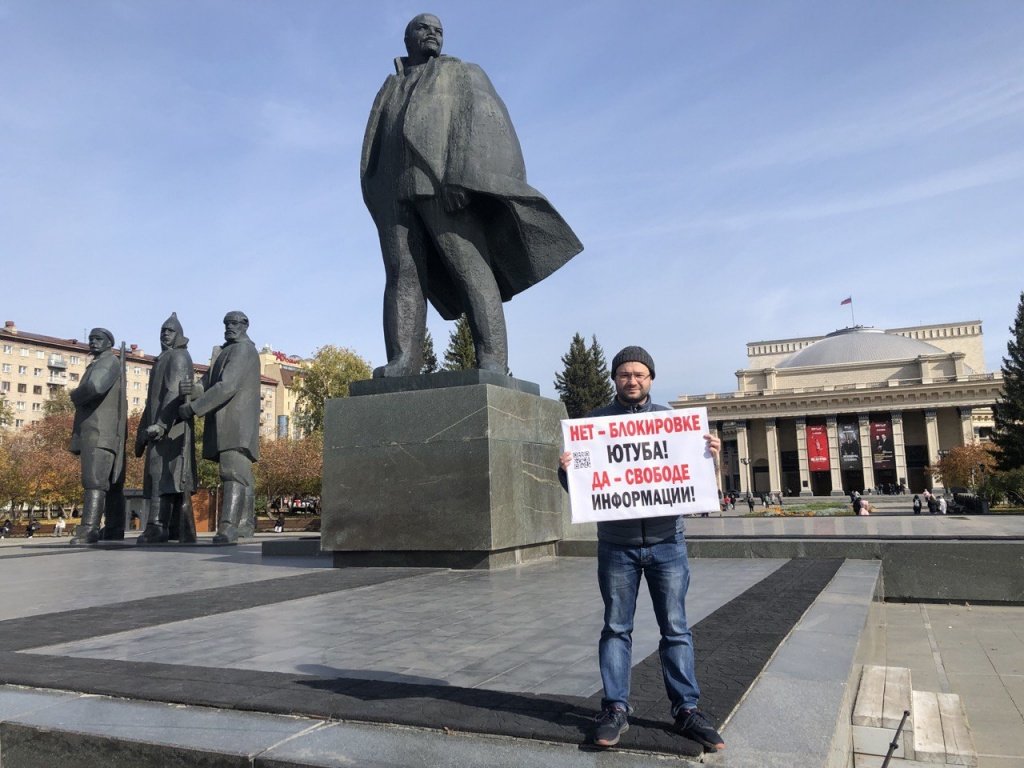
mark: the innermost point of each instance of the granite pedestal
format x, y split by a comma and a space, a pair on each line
454, 476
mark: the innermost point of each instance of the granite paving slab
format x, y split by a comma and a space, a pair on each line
733, 642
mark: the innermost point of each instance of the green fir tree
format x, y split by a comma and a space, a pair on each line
1009, 410
460, 355
603, 391
429, 356
583, 384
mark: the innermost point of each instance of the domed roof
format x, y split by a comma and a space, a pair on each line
859, 344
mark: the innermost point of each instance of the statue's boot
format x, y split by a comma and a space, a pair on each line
489, 362
186, 520
402, 366
231, 513
88, 531
156, 527
174, 522
247, 524
114, 517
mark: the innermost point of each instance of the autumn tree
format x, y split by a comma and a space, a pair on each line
1009, 409
135, 466
583, 384
37, 468
326, 376
49, 475
59, 401
460, 354
6, 412
290, 467
965, 466
10, 481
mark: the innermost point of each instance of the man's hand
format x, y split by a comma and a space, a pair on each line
714, 445
185, 387
565, 460
454, 198
185, 411
155, 432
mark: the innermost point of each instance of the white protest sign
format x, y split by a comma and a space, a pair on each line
640, 465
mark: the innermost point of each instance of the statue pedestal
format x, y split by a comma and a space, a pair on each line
454, 477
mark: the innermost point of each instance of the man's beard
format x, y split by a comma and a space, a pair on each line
633, 399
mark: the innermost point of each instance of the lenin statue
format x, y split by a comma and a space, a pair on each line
444, 179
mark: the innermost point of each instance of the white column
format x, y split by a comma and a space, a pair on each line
801, 455
772, 439
967, 424
833, 455
743, 449
899, 447
865, 450
931, 430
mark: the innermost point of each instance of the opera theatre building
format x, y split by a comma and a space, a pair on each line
859, 409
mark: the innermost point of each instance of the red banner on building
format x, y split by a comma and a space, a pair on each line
817, 448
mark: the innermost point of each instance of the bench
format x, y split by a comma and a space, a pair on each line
20, 529
300, 525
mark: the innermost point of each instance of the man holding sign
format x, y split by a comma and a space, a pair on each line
638, 500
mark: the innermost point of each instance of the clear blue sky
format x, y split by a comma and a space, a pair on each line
734, 169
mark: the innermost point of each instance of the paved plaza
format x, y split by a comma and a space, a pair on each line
285, 661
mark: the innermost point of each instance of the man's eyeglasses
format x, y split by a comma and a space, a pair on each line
640, 377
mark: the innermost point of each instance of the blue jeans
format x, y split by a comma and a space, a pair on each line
667, 571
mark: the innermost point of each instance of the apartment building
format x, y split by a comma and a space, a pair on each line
284, 370
33, 366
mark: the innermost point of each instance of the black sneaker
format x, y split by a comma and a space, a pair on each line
610, 725
692, 724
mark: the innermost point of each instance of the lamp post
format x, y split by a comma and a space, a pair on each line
746, 472
982, 500
942, 453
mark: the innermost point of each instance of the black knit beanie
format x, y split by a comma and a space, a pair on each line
633, 355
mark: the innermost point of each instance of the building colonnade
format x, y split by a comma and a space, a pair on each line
837, 453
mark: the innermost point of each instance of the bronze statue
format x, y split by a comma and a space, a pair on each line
170, 475
444, 179
228, 396
98, 437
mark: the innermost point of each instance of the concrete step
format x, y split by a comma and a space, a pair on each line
43, 729
942, 734
883, 695
935, 732
812, 679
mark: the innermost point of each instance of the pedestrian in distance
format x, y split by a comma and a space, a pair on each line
917, 504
